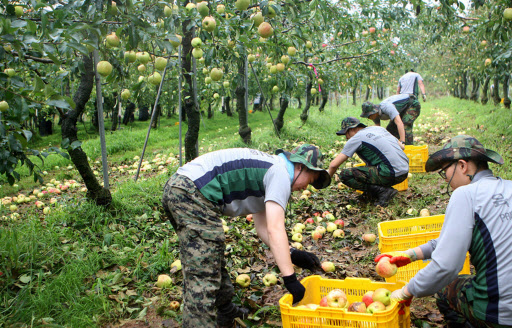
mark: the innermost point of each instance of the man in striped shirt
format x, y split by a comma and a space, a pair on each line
236, 182
478, 220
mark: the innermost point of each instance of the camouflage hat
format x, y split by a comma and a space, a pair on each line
369, 109
461, 147
311, 156
349, 123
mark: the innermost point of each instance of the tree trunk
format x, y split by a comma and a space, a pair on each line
496, 91
227, 106
367, 96
279, 121
476, 86
210, 111
354, 95
464, 93
485, 88
506, 99
244, 130
305, 111
101, 196
45, 126
325, 97
154, 123
380, 93
455, 88
189, 93
129, 114
271, 105
300, 102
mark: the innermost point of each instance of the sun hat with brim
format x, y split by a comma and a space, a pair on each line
311, 157
369, 109
349, 123
461, 147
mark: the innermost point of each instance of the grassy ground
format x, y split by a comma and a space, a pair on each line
80, 265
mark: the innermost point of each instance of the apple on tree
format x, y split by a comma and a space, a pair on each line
216, 74
202, 8
244, 280
176, 40
125, 94
251, 58
130, 56
275, 89
209, 24
112, 40
104, 68
197, 53
143, 57
257, 18
190, 6
167, 11
155, 78
265, 30
221, 9
4, 106
18, 11
10, 72
242, 4
507, 14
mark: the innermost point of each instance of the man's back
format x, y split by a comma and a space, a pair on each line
408, 83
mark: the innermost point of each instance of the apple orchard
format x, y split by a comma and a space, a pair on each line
68, 61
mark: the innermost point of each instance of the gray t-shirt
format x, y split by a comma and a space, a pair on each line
479, 220
377, 147
409, 83
388, 109
240, 180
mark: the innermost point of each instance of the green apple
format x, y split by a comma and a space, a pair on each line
209, 24
112, 40
507, 14
309, 44
280, 67
273, 69
13, 208
331, 226
113, 8
201, 60
176, 264
176, 41
226, 84
265, 30
216, 74
167, 11
205, 70
269, 279
338, 233
160, 63
18, 10
292, 51
297, 237
242, 4
155, 78
190, 6
202, 8
160, 23
328, 266
271, 11
320, 81
382, 295
424, 212
197, 53
243, 280
196, 42
130, 56
163, 281
125, 95
10, 72
257, 18
369, 238
285, 59
221, 9
483, 43
46, 210
104, 68
375, 307
141, 68
8, 47
143, 57
275, 89
207, 80
313, 91
216, 95
4, 106
251, 58
488, 62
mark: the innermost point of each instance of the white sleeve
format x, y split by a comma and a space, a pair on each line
452, 245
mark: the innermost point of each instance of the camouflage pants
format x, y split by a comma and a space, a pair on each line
456, 308
408, 117
206, 282
360, 177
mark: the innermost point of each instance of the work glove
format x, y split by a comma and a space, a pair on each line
424, 97
398, 258
304, 259
294, 287
401, 297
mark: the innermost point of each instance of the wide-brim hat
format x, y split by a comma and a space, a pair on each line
461, 147
368, 109
311, 157
349, 123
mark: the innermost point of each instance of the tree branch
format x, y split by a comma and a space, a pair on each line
337, 59
37, 59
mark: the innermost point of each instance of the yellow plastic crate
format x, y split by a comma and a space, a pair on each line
402, 186
400, 235
325, 317
418, 156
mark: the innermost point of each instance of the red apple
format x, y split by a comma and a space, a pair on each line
337, 298
386, 269
249, 217
340, 223
369, 238
368, 298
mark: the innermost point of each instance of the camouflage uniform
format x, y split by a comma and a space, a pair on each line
455, 306
408, 116
201, 237
361, 177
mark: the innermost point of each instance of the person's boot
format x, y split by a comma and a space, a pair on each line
226, 315
382, 194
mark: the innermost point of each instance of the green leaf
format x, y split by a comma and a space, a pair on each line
38, 85
25, 278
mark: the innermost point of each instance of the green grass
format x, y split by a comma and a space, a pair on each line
85, 266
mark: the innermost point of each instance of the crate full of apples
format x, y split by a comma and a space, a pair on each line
352, 302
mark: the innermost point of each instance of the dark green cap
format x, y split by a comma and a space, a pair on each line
311, 156
349, 123
461, 147
369, 109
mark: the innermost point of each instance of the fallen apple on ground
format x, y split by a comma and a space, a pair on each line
369, 238
328, 266
269, 279
163, 281
243, 280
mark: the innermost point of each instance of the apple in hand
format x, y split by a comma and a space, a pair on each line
269, 279
243, 280
337, 298
328, 266
163, 281
382, 295
368, 297
357, 307
386, 269
375, 306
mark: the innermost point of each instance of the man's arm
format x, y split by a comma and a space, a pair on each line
333, 166
401, 130
398, 89
422, 88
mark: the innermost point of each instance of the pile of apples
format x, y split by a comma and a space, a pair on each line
333, 225
372, 301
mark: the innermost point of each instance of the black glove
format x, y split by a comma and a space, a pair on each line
294, 287
304, 259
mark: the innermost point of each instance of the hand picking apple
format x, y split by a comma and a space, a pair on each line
399, 258
304, 260
401, 296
